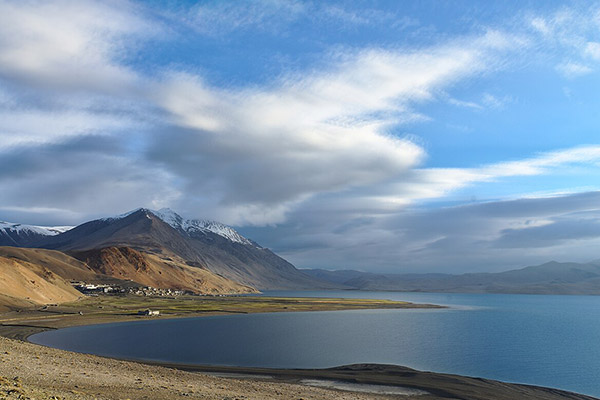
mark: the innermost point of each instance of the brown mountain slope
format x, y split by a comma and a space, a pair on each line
9, 303
38, 276
144, 231
59, 262
160, 271
27, 277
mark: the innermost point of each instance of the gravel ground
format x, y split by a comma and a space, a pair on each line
29, 371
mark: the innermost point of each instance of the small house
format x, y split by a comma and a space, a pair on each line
149, 313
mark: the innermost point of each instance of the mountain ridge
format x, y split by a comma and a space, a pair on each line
548, 278
201, 243
16, 234
186, 225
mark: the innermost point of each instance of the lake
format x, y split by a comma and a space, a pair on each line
542, 340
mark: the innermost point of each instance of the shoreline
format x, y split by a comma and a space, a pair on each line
33, 371
276, 383
442, 385
113, 309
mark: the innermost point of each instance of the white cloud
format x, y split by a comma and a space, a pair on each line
223, 17
35, 127
495, 102
466, 104
436, 183
277, 16
541, 25
309, 134
592, 50
544, 162
92, 177
566, 32
414, 186
573, 70
68, 44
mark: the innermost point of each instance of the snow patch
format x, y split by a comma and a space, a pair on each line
216, 227
170, 217
29, 229
121, 216
202, 225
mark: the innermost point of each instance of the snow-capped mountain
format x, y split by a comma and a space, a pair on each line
165, 236
200, 225
14, 234
42, 230
192, 226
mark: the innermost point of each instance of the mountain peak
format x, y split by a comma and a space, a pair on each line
192, 226
174, 245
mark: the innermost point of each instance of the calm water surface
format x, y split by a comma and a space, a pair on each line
543, 340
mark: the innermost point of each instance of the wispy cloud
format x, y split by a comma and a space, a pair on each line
275, 16
495, 102
573, 70
592, 50
419, 184
567, 31
324, 131
223, 17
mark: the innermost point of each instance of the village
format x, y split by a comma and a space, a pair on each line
93, 289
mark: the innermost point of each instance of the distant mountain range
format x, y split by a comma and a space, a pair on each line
152, 248
23, 235
163, 250
549, 278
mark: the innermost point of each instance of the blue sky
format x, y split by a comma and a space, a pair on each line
409, 136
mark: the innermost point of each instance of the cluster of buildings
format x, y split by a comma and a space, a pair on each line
92, 289
152, 291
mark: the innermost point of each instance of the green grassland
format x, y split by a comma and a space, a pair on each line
103, 309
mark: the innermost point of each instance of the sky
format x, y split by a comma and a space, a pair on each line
383, 136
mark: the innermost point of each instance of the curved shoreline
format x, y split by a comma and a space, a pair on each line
43, 372
436, 384
262, 380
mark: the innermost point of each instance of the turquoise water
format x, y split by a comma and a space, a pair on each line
542, 340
